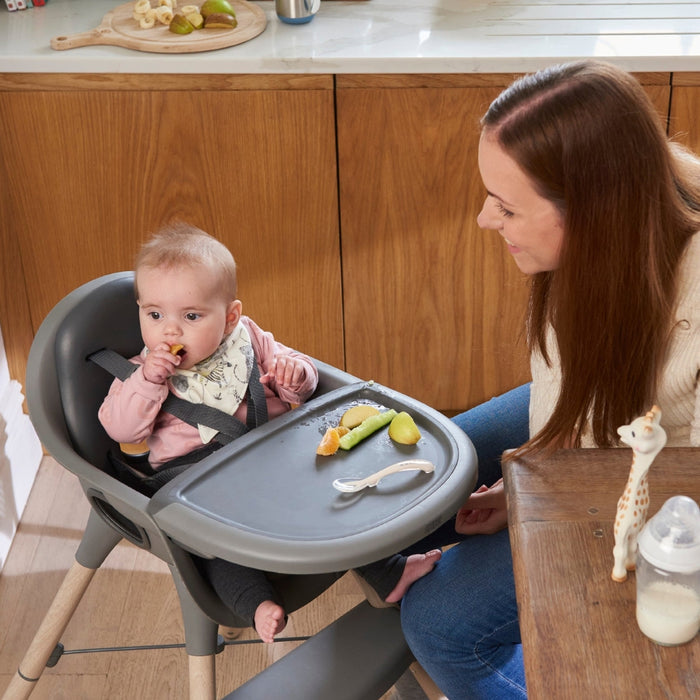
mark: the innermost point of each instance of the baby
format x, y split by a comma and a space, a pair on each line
200, 347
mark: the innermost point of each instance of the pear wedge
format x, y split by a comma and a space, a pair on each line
210, 7
195, 19
180, 25
220, 20
403, 429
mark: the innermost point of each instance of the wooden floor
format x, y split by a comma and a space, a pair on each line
130, 601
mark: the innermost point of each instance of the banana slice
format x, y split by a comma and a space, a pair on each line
164, 14
147, 22
142, 6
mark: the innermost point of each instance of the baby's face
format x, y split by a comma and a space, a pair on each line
183, 306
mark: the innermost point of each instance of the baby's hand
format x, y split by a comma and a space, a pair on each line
287, 372
160, 364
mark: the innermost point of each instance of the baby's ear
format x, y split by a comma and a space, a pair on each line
233, 314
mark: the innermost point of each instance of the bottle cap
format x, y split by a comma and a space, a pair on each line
671, 539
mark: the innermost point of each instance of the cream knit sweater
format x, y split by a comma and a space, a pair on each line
679, 393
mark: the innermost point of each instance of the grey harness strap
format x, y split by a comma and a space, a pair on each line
228, 427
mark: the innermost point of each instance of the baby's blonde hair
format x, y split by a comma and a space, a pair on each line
183, 245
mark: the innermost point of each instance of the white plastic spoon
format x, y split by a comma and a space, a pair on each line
349, 485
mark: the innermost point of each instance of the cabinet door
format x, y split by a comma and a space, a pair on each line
684, 125
433, 305
90, 168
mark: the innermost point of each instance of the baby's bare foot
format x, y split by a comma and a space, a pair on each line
269, 620
417, 566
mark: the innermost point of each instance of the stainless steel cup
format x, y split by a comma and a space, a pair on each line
297, 11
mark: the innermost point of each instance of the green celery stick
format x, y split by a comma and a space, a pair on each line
366, 428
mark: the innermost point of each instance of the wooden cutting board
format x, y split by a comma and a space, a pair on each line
119, 28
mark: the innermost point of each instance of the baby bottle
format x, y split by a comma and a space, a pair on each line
668, 573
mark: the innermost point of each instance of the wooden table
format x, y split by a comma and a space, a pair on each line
579, 632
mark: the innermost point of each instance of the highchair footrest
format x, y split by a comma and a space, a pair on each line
357, 657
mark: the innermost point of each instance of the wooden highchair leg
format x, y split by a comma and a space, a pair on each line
52, 627
202, 677
426, 683
200, 641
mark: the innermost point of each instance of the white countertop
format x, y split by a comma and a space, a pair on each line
385, 36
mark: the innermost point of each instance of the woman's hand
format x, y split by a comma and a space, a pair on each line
484, 513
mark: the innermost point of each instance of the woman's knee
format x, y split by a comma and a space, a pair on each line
504, 417
472, 581
500, 424
461, 583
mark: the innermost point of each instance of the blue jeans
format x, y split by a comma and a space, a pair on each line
461, 620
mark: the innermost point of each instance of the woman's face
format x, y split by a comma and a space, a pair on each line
531, 225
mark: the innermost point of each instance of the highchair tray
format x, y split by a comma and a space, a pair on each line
266, 500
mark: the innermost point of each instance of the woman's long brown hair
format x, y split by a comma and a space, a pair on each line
590, 140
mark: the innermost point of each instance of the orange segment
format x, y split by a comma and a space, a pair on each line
329, 443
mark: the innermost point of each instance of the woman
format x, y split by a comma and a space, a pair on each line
602, 211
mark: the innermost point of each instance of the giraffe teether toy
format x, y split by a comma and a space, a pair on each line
646, 437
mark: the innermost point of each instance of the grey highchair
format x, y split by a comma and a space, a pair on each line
64, 391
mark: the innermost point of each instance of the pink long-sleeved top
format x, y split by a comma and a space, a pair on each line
131, 412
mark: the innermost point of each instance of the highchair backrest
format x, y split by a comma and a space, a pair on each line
65, 390
107, 317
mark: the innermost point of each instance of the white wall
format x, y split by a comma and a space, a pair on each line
20, 456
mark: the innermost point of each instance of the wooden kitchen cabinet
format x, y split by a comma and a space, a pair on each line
433, 306
427, 304
90, 165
